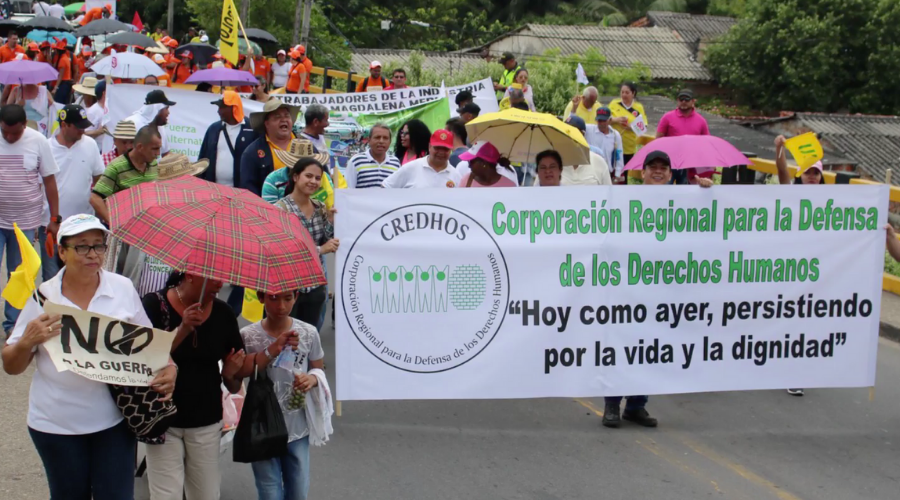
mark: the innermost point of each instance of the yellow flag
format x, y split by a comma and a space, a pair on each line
252, 309
228, 32
806, 150
21, 281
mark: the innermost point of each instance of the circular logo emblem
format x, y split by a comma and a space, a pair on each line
450, 184
114, 62
261, 153
62, 115
425, 288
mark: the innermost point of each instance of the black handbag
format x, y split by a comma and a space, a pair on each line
261, 433
145, 414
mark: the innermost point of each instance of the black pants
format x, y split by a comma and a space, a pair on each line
63, 92
308, 307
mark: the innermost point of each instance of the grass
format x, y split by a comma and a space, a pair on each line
891, 266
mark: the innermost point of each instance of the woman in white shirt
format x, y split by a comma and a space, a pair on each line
281, 69
86, 446
521, 80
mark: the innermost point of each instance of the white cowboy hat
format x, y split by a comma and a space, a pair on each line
273, 104
300, 148
176, 165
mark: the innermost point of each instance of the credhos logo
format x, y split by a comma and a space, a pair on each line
424, 288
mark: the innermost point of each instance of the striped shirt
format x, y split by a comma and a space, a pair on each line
23, 164
363, 171
121, 174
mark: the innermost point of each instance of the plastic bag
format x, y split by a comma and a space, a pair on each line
231, 410
261, 433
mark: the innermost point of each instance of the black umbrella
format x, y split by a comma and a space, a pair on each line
260, 36
47, 23
129, 38
7, 25
102, 27
202, 52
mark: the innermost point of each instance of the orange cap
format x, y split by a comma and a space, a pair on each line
108, 7
60, 44
33, 46
172, 43
231, 98
45, 44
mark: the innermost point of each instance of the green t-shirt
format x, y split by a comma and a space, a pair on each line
121, 174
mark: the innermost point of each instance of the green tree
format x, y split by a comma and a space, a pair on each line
623, 12
733, 8
879, 93
796, 54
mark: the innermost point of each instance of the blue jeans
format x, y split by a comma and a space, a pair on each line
98, 465
631, 402
13, 260
49, 265
285, 477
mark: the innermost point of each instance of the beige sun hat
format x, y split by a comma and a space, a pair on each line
86, 87
273, 104
176, 165
300, 148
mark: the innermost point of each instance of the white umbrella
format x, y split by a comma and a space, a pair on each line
127, 65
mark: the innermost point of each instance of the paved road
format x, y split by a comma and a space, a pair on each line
830, 444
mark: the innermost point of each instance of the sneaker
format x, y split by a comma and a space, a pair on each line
795, 392
611, 416
640, 417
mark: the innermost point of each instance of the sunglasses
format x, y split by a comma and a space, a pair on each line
685, 99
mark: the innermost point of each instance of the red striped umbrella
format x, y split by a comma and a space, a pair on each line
217, 232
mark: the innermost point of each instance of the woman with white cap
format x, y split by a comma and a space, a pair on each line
281, 68
79, 432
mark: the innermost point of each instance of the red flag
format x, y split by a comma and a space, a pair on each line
137, 22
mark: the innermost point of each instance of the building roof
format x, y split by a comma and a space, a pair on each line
667, 56
872, 141
434, 61
692, 27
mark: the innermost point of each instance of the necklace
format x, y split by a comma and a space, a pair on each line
181, 301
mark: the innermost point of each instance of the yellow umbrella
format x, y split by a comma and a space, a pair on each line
521, 135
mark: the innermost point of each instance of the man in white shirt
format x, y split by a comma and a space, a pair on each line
316, 119
607, 140
595, 173
57, 11
155, 112
80, 167
225, 141
40, 8
432, 171
27, 163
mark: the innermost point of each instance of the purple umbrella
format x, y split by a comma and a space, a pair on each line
225, 77
26, 72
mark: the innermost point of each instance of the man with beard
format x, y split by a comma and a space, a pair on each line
154, 113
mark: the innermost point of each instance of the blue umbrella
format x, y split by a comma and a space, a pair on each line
47, 36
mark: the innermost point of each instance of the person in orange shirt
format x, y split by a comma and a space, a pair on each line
164, 78
63, 64
96, 13
44, 56
171, 60
81, 60
299, 75
374, 81
184, 68
300, 49
33, 52
261, 68
9, 50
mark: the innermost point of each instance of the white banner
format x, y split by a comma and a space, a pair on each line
607, 291
105, 349
193, 112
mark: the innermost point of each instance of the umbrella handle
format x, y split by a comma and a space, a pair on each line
203, 291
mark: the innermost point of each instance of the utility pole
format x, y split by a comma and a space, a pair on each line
307, 12
245, 12
170, 25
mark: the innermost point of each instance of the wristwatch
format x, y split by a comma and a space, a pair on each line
57, 219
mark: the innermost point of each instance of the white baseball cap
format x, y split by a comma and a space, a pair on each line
78, 224
374, 64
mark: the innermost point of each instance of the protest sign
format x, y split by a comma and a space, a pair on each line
600, 291
193, 113
105, 349
806, 150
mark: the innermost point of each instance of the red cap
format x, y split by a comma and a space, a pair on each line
442, 139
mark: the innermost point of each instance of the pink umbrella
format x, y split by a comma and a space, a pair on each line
702, 152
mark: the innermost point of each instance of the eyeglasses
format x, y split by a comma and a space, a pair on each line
99, 249
404, 132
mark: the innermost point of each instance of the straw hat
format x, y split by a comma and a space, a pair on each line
125, 130
86, 87
273, 104
176, 165
300, 148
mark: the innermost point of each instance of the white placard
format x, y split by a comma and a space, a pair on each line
606, 291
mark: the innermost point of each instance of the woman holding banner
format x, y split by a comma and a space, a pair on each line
85, 445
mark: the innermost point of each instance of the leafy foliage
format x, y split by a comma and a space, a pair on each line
814, 55
624, 12
732, 8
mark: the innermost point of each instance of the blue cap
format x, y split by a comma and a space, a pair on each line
100, 89
576, 122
